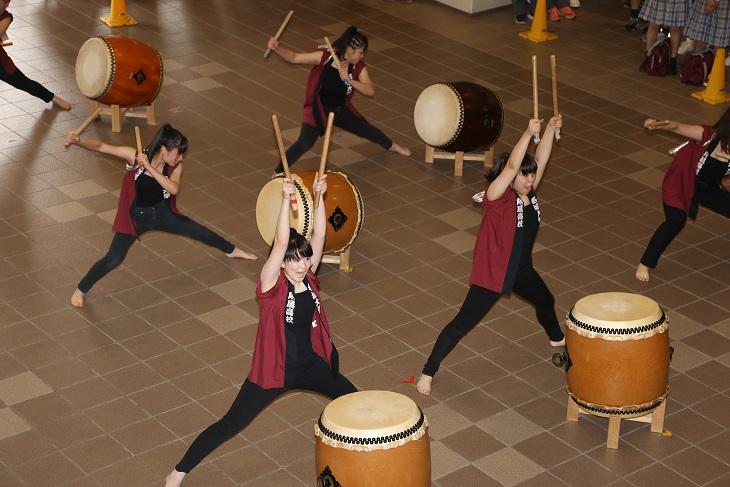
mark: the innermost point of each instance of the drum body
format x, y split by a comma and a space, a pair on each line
458, 116
268, 205
372, 439
618, 347
117, 70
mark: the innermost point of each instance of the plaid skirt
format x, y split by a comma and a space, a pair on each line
712, 28
668, 13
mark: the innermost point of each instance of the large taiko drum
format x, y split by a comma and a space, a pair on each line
458, 116
618, 349
343, 205
117, 70
372, 439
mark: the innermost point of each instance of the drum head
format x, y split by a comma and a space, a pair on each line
623, 315
268, 206
369, 414
94, 68
438, 114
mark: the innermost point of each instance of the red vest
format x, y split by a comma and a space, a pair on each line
269, 354
6, 63
123, 220
494, 241
678, 186
313, 84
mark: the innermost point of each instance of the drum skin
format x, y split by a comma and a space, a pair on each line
476, 124
408, 465
134, 75
268, 205
344, 209
618, 371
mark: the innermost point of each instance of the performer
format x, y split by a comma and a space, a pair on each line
294, 348
15, 77
693, 179
503, 250
330, 90
147, 201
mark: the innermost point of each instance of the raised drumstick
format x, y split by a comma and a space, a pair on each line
282, 154
554, 77
280, 31
138, 137
325, 150
88, 120
535, 114
335, 61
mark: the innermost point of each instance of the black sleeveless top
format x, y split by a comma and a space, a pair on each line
528, 221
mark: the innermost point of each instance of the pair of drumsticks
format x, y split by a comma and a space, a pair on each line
554, 78
322, 161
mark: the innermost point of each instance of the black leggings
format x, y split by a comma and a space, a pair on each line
22, 82
716, 200
529, 286
251, 400
344, 119
158, 217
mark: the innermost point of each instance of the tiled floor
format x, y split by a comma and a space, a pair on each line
111, 395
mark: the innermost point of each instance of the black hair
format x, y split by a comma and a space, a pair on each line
298, 247
168, 137
528, 166
351, 38
722, 131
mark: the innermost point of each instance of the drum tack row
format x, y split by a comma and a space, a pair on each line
617, 346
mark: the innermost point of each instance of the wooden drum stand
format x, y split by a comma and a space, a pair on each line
459, 157
116, 112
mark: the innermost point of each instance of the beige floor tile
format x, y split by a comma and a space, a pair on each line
11, 424
444, 460
82, 189
67, 212
236, 290
226, 319
22, 387
210, 69
509, 427
201, 84
509, 467
457, 242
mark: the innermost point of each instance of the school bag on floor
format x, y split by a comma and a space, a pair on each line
657, 62
696, 67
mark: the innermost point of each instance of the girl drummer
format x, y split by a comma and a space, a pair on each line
10, 73
293, 348
503, 251
331, 90
693, 179
147, 201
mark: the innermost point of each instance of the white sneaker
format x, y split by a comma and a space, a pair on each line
478, 198
574, 3
687, 45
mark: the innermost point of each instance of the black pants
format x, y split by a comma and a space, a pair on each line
716, 200
344, 119
529, 286
251, 400
22, 82
158, 217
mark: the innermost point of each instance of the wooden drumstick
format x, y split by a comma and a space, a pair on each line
325, 150
659, 123
138, 137
280, 31
674, 150
88, 120
7, 43
536, 137
554, 76
335, 60
282, 154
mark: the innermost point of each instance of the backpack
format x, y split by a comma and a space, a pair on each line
657, 62
696, 67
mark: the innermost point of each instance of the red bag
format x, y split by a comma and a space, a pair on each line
696, 67
657, 62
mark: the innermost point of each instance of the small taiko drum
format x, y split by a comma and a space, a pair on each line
117, 70
458, 116
343, 205
372, 439
268, 206
618, 354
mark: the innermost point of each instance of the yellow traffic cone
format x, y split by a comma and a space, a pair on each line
538, 30
715, 93
118, 15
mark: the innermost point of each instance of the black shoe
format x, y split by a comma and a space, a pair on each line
521, 19
632, 24
644, 64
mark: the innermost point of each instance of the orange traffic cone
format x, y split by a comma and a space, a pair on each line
715, 93
538, 30
118, 15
